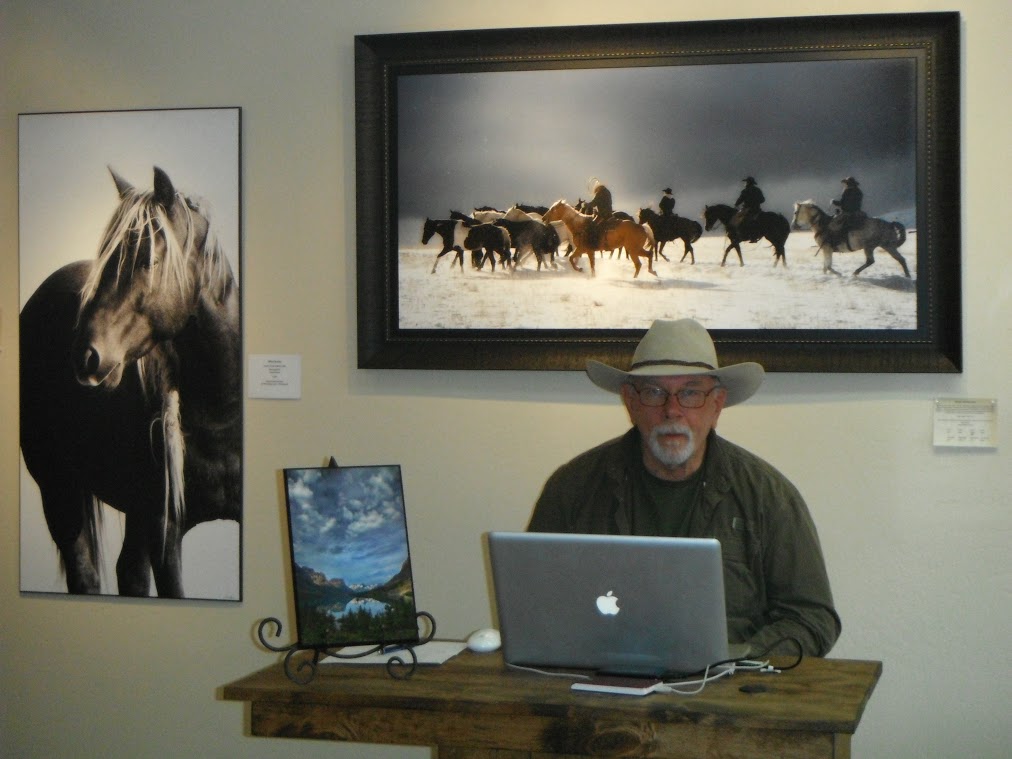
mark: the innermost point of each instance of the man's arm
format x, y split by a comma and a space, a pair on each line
799, 599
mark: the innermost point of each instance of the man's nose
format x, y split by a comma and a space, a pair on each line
672, 407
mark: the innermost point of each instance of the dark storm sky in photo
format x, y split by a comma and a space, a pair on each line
473, 139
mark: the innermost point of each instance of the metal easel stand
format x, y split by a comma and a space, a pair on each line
301, 662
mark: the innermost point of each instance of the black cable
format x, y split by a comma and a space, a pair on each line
795, 641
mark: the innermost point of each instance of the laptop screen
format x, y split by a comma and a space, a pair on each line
612, 603
351, 568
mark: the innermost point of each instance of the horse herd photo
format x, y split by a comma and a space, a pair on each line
526, 230
558, 266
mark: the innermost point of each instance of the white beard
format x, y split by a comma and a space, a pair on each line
671, 457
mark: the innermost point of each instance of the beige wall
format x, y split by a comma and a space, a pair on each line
916, 539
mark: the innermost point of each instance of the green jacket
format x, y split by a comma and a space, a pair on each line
775, 579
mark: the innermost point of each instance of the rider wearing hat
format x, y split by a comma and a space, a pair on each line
849, 213
600, 205
749, 204
667, 203
671, 474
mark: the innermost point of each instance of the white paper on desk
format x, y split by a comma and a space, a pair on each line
433, 652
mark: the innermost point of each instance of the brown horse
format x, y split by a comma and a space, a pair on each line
616, 234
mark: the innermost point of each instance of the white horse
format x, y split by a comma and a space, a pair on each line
868, 234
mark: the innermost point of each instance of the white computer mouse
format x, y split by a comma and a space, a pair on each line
484, 641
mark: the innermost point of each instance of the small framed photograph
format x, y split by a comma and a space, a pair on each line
351, 567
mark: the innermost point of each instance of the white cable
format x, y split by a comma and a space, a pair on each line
536, 671
679, 687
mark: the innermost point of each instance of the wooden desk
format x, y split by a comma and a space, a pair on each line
473, 708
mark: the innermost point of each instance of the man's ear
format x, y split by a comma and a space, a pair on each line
628, 393
719, 399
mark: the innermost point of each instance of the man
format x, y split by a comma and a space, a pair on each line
667, 203
749, 205
600, 206
849, 214
671, 474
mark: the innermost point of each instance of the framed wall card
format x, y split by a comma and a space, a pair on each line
459, 130
130, 353
351, 567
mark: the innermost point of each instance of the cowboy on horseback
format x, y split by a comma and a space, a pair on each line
667, 203
849, 214
749, 204
600, 207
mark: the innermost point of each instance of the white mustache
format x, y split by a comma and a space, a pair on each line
671, 428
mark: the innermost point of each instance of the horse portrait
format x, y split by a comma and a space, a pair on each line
769, 224
131, 390
867, 233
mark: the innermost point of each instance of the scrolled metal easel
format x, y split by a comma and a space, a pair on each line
301, 661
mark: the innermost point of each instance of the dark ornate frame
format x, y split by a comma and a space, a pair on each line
932, 39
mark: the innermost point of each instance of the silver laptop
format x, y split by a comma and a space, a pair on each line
616, 604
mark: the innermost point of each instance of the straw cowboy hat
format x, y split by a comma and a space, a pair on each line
680, 348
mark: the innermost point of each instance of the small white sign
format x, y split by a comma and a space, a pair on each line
966, 422
275, 376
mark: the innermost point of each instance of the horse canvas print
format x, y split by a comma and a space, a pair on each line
130, 357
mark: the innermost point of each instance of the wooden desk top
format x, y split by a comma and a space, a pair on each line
820, 695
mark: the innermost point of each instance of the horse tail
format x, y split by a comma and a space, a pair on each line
901, 233
651, 240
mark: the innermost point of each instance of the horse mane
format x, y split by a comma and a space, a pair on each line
139, 218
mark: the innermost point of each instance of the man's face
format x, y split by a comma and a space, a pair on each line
674, 437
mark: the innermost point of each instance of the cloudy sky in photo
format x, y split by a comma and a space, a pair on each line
348, 522
472, 139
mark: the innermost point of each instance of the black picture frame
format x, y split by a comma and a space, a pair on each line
931, 343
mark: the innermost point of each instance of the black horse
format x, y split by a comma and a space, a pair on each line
530, 236
669, 228
769, 224
452, 233
483, 243
490, 240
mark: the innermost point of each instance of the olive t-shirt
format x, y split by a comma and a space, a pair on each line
666, 508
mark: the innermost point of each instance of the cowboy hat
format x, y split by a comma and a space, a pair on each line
676, 349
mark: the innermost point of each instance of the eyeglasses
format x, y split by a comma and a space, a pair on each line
688, 397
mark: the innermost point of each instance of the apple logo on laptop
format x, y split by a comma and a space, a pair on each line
608, 604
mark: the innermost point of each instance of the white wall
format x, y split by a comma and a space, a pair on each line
916, 539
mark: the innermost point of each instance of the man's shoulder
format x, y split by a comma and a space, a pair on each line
736, 460
609, 450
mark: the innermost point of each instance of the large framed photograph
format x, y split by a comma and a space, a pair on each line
533, 198
131, 424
